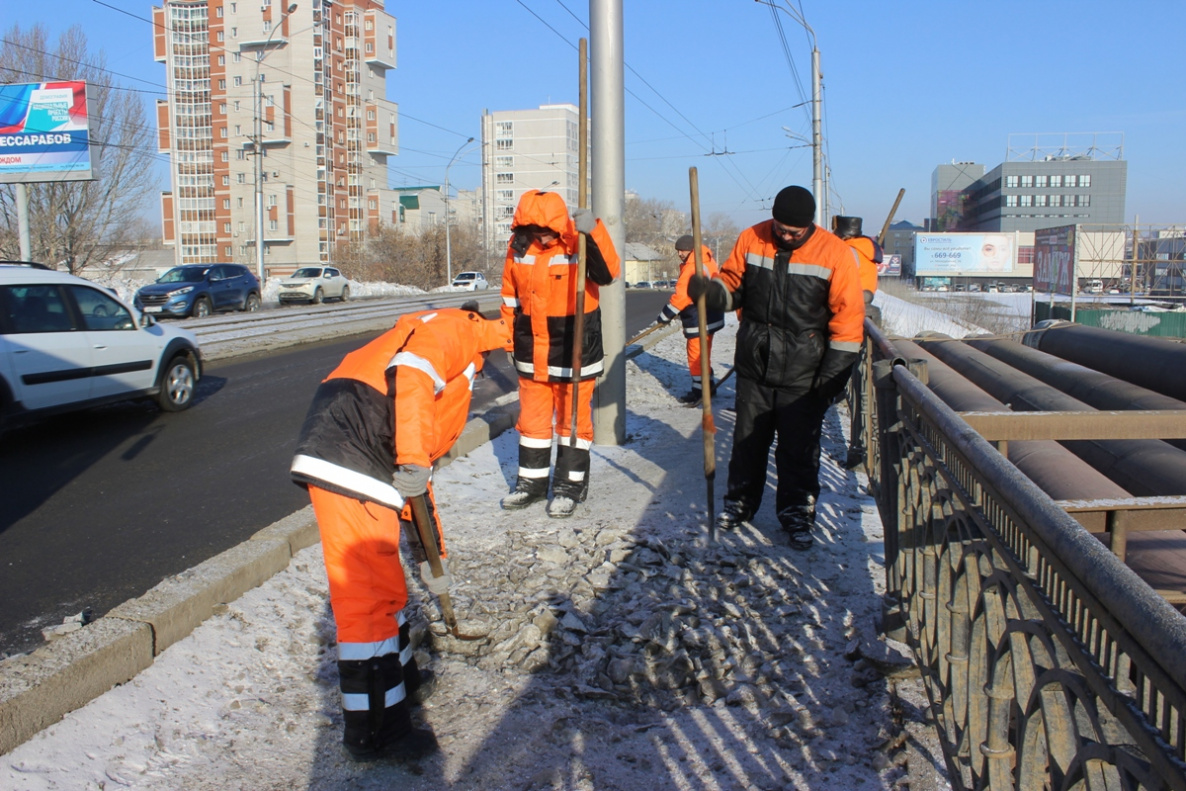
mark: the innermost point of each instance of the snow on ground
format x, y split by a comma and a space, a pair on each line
627, 651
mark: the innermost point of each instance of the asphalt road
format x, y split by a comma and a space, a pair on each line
99, 506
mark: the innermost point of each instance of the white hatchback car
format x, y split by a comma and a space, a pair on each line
67, 343
471, 281
314, 284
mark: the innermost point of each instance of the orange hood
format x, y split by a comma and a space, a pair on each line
547, 210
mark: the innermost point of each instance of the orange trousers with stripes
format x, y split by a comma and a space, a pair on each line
544, 405
360, 541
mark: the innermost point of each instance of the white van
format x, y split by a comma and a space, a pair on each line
1093, 286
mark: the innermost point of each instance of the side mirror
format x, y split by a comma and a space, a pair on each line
146, 320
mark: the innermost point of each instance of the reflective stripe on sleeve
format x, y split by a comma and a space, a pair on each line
342, 479
413, 360
846, 346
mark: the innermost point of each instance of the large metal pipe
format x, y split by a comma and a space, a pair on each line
1053, 468
1144, 467
1086, 384
1155, 363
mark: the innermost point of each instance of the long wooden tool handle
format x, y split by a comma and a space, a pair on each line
707, 427
432, 550
890, 218
578, 323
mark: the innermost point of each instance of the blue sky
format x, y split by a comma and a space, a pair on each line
906, 86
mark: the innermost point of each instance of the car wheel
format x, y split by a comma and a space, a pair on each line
177, 385
345, 293
316, 297
201, 308
251, 304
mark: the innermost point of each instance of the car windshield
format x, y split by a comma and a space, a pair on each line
466, 276
184, 274
307, 271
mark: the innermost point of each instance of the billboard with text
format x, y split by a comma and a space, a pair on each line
1054, 259
965, 253
44, 132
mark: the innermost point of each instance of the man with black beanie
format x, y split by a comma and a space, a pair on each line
802, 316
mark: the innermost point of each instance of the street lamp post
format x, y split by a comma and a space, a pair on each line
448, 240
817, 156
259, 147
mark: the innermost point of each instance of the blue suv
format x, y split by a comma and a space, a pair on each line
199, 290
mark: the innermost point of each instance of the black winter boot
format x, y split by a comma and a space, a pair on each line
570, 484
526, 492
379, 731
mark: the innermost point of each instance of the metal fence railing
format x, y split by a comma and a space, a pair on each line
1047, 662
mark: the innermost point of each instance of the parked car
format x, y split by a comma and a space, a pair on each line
199, 290
314, 284
67, 343
644, 284
471, 281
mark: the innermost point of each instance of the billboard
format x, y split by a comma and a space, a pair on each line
890, 266
965, 253
44, 135
1054, 259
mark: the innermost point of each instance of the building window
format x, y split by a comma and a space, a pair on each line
240, 202
236, 57
271, 201
508, 211
225, 154
1085, 181
271, 225
219, 36
504, 163
1056, 181
372, 204
218, 12
370, 114
226, 181
1056, 200
370, 48
1071, 181
237, 81
234, 32
242, 226
226, 250
1040, 181
226, 227
1027, 181
507, 195
222, 85
504, 144
504, 178
1083, 200
370, 137
241, 154
1010, 200
226, 203
505, 127
1027, 200
221, 58
242, 178
1039, 200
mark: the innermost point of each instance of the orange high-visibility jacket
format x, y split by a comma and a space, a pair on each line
539, 291
802, 312
401, 399
866, 250
684, 306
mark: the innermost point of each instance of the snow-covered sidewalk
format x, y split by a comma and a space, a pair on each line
625, 650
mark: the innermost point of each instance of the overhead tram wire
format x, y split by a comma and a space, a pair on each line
725, 165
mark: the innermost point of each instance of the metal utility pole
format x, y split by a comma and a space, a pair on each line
609, 203
258, 146
448, 240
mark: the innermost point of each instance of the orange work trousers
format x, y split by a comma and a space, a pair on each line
547, 405
367, 586
694, 356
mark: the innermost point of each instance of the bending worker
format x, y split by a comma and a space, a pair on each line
684, 306
377, 424
801, 327
539, 301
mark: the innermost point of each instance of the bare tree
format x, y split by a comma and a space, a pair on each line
78, 224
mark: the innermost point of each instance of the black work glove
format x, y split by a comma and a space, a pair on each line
410, 480
660, 319
834, 372
716, 295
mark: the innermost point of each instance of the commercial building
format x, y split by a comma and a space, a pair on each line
524, 150
275, 108
1045, 182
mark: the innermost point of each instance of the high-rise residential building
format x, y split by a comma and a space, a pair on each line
278, 108
524, 150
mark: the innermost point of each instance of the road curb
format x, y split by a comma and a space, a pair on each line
39, 688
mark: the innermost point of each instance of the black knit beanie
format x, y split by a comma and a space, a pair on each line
684, 242
795, 207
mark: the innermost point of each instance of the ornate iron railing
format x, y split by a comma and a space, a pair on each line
1048, 663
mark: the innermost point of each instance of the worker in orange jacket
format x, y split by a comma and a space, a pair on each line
539, 301
685, 307
377, 424
801, 327
868, 255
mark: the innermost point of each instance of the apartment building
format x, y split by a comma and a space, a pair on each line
277, 109
524, 150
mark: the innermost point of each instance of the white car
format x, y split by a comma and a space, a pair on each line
67, 343
314, 284
471, 281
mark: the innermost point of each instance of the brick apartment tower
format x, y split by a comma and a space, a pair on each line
325, 128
